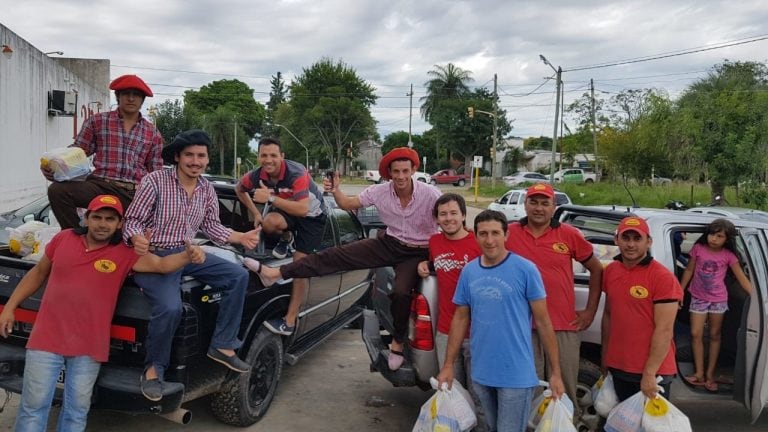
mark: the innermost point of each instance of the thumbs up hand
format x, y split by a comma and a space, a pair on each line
261, 195
195, 253
141, 242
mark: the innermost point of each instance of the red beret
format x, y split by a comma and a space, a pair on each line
395, 154
125, 82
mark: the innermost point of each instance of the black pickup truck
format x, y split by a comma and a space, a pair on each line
332, 302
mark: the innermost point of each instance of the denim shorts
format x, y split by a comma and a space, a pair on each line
699, 306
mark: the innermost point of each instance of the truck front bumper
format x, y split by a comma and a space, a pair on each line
117, 387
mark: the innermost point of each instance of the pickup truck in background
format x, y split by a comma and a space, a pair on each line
743, 362
332, 302
450, 176
574, 175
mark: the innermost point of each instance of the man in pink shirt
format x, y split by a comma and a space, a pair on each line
405, 207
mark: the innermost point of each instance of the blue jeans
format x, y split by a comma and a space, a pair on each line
164, 296
41, 371
505, 409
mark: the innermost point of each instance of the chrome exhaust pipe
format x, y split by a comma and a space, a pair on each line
179, 415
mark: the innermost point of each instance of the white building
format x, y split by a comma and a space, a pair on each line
43, 102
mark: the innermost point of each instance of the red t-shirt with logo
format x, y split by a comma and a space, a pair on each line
449, 257
631, 293
553, 253
80, 296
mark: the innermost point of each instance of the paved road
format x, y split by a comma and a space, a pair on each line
332, 390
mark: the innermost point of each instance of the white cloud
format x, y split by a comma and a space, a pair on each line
393, 44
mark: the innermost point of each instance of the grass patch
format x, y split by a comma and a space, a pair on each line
614, 193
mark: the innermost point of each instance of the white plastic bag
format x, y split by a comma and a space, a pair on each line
67, 163
541, 405
447, 411
627, 416
42, 238
558, 417
660, 415
22, 239
604, 395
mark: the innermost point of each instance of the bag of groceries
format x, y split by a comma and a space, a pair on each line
67, 164
22, 239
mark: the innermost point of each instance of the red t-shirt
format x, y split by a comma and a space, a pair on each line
80, 296
631, 294
553, 253
449, 257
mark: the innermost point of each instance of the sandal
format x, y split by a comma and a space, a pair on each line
695, 381
711, 386
255, 266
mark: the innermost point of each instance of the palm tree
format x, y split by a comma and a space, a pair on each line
449, 81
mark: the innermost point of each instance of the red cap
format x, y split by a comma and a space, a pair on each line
541, 189
395, 154
106, 201
126, 82
633, 223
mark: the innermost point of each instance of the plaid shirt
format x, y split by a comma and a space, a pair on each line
161, 205
120, 155
413, 224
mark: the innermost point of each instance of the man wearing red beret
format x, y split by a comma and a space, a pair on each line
125, 145
405, 207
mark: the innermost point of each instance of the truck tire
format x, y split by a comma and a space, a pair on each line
244, 398
590, 420
589, 181
433, 182
461, 183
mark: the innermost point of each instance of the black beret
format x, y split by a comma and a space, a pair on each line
182, 140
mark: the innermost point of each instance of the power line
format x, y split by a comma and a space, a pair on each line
670, 54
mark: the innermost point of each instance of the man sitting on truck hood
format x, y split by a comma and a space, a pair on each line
171, 205
85, 268
405, 206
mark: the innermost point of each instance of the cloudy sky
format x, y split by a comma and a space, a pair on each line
177, 45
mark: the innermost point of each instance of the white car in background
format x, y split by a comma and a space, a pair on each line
374, 177
512, 203
521, 177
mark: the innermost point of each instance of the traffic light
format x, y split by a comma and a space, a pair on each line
471, 112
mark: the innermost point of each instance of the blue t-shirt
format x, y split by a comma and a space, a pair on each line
500, 341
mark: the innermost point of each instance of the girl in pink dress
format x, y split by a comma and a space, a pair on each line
710, 258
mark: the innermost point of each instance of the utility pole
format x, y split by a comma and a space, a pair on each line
234, 161
559, 74
554, 133
495, 130
410, 119
594, 126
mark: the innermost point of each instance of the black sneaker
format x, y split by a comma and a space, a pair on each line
233, 362
282, 248
152, 389
279, 326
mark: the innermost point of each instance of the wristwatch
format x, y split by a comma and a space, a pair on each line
271, 199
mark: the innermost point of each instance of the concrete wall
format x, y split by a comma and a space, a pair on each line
26, 129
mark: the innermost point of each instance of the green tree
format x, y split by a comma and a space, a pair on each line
423, 144
445, 83
722, 122
277, 96
171, 118
330, 108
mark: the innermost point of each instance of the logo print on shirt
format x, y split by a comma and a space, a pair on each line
104, 266
560, 247
638, 291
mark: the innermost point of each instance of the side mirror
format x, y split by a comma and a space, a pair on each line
28, 218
